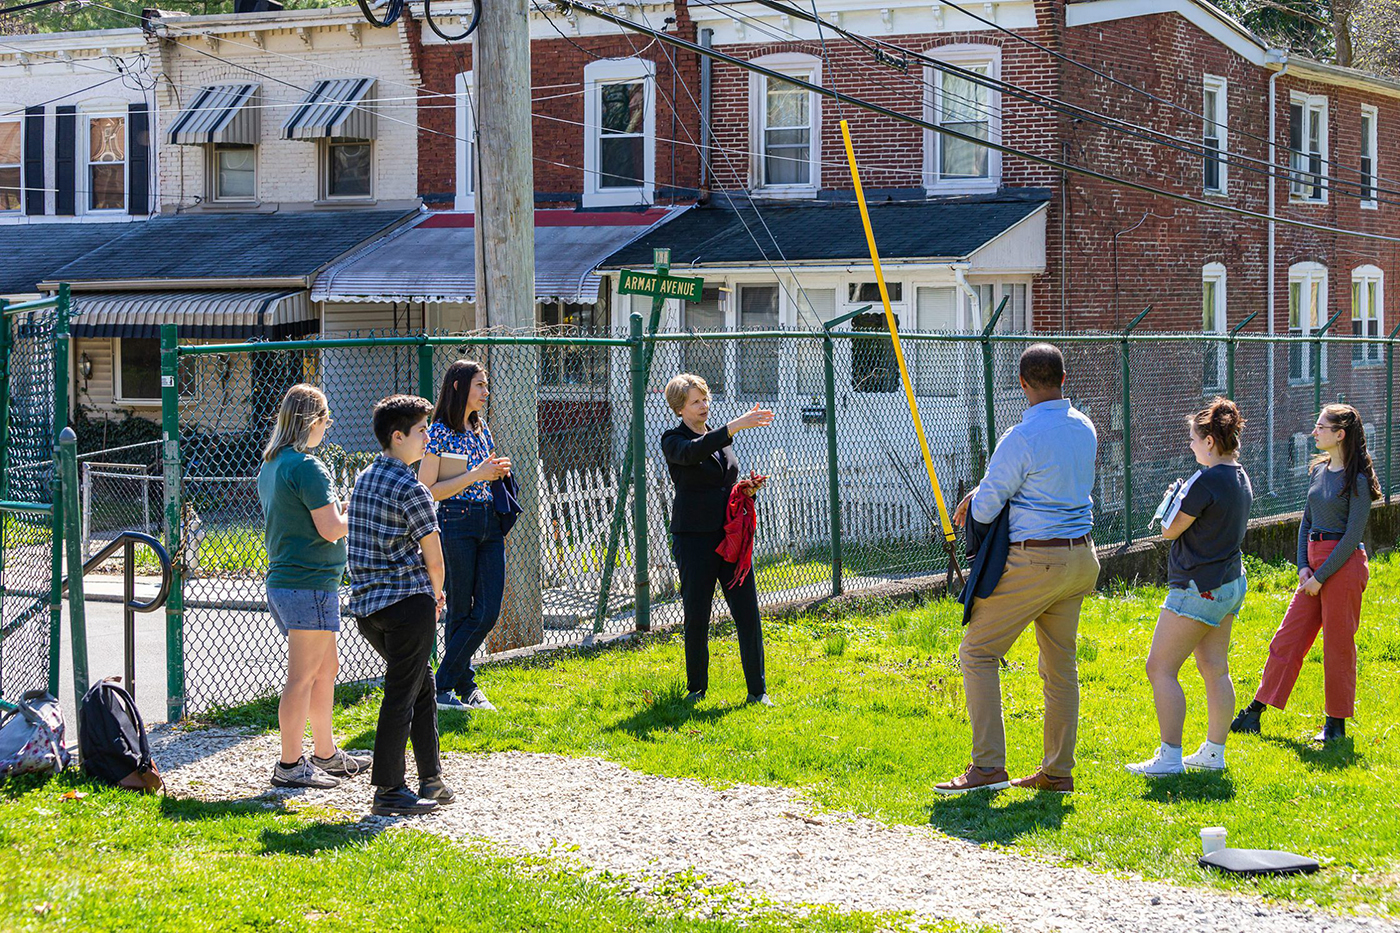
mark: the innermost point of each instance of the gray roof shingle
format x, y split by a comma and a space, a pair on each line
31, 251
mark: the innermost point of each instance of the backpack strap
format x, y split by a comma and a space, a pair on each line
147, 763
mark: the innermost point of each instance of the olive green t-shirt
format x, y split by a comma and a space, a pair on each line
290, 488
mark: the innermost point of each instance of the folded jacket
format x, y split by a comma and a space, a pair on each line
505, 496
987, 547
740, 524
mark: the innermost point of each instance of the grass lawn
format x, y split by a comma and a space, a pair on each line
870, 716
111, 860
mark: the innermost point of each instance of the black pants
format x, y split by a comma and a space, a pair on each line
403, 635
700, 569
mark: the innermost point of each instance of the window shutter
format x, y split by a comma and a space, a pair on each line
34, 160
66, 160
138, 159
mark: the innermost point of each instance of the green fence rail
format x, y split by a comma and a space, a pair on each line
848, 507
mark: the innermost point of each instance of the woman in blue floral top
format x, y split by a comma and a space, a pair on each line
473, 543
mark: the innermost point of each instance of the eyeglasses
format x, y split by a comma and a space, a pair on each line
1323, 426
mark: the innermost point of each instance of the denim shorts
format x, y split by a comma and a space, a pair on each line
1210, 607
304, 610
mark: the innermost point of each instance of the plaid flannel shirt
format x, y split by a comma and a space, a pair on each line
390, 512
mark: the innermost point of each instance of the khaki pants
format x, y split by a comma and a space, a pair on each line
1046, 586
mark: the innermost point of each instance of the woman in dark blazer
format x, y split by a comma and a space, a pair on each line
704, 470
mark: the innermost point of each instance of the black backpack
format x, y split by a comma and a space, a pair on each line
112, 739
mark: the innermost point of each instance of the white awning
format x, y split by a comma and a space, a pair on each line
333, 110
222, 113
231, 315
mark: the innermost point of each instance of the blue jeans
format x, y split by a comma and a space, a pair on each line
474, 551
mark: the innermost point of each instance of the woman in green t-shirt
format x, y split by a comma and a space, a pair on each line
305, 535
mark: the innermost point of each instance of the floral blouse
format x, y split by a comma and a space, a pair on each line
475, 447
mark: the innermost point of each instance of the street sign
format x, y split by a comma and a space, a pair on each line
660, 286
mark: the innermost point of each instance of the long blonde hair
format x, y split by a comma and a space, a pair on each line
302, 407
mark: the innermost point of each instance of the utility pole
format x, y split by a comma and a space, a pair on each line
505, 291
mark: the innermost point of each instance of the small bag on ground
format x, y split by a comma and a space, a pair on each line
112, 740
31, 737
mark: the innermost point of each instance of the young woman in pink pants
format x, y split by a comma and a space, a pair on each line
1332, 576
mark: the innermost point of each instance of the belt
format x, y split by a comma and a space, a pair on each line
1054, 542
1325, 536
463, 504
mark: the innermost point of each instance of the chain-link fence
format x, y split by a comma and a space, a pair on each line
564, 406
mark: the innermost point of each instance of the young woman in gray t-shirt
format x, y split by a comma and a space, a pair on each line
1206, 588
1332, 575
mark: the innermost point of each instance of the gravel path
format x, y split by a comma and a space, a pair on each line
767, 841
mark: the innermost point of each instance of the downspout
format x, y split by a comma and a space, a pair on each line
706, 89
960, 276
1269, 286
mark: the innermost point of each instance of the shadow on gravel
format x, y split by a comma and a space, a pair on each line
1331, 757
1193, 785
667, 709
981, 817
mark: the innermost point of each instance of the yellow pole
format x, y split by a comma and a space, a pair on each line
948, 532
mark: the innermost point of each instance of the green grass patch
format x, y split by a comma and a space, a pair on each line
871, 715
111, 860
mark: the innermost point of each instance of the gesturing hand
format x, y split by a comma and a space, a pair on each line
753, 418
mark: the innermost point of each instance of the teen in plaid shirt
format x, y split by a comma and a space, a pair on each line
396, 574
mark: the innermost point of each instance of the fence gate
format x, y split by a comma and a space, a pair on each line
33, 364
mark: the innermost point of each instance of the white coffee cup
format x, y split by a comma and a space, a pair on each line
1212, 839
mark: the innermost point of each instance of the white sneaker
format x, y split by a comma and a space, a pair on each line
1159, 765
1208, 757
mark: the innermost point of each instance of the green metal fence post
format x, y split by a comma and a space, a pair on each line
174, 510
1128, 430
1390, 413
425, 370
5, 344
988, 386
1317, 360
833, 489
1230, 355
60, 422
639, 485
67, 455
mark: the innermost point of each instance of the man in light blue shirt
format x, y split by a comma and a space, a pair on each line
1042, 473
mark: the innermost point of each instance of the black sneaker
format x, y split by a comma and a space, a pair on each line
695, 696
1246, 722
478, 702
1332, 730
759, 699
434, 788
400, 801
448, 703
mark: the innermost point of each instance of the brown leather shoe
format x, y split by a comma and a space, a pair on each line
1042, 781
975, 778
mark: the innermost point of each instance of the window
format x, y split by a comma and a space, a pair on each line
962, 103
1213, 322
937, 367
1215, 138
1367, 319
758, 359
348, 168
137, 371
1307, 303
1368, 156
620, 132
235, 172
570, 366
786, 126
814, 306
106, 173
1307, 138
466, 143
1015, 319
11, 195
706, 360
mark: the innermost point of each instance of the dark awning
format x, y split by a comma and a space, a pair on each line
200, 315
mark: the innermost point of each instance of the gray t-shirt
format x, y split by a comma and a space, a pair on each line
1330, 511
1208, 552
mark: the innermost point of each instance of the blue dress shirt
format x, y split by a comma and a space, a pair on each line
1044, 467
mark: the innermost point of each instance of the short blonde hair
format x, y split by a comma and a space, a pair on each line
302, 407
678, 390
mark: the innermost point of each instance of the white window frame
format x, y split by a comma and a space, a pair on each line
465, 198
98, 111
962, 55
798, 65
1370, 138
19, 195
213, 173
1300, 184
118, 395
1368, 354
617, 71
1305, 275
1216, 127
324, 150
1214, 273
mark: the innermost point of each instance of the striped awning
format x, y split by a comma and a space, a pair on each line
233, 315
333, 110
223, 113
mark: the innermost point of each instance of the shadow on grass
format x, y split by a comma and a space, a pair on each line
1193, 785
262, 712
974, 816
1330, 757
668, 709
308, 840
